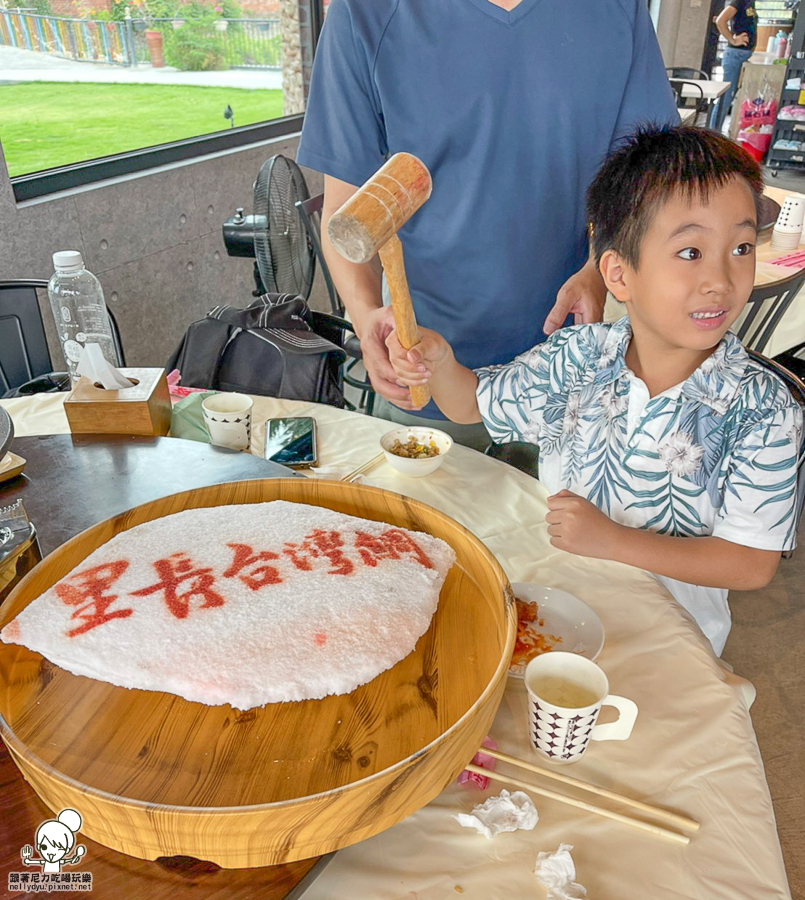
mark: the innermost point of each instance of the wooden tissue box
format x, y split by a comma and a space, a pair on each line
144, 408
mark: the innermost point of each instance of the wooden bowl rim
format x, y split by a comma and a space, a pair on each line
8, 735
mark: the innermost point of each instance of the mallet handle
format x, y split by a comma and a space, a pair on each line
391, 256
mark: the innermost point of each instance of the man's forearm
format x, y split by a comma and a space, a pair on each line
358, 285
707, 561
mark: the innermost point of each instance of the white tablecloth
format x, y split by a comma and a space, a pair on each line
693, 749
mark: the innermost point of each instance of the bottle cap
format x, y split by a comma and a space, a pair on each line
68, 261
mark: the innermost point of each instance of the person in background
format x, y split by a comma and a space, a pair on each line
663, 444
737, 24
512, 107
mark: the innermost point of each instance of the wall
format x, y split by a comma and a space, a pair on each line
681, 30
153, 239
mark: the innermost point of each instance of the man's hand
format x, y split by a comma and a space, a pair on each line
374, 329
583, 295
577, 526
740, 40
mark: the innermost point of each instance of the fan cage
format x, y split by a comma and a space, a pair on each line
284, 253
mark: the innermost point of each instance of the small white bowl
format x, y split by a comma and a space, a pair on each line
416, 468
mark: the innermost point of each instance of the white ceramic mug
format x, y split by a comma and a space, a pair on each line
565, 696
228, 418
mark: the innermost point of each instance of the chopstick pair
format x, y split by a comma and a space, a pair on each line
362, 470
673, 818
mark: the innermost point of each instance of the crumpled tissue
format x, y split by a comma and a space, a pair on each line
508, 812
556, 872
94, 365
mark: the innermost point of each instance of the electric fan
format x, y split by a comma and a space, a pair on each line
275, 234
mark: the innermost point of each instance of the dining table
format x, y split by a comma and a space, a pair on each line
693, 750
700, 88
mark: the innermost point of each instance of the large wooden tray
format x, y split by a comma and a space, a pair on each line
155, 775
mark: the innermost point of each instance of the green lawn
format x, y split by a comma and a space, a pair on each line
46, 124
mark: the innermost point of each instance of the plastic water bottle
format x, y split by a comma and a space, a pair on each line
79, 311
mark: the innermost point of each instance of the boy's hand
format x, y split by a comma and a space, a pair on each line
577, 526
417, 365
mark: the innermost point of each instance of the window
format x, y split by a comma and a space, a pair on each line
114, 87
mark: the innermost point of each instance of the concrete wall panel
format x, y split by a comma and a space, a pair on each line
159, 271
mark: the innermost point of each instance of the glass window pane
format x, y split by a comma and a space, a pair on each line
80, 85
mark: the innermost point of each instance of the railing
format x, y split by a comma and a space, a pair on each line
244, 43
79, 39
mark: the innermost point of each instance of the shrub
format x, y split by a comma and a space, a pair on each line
195, 47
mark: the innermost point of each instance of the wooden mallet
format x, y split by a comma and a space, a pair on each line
368, 223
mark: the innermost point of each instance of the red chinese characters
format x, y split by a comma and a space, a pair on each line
173, 573
318, 544
391, 544
88, 591
181, 580
257, 578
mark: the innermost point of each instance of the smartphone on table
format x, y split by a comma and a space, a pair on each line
292, 441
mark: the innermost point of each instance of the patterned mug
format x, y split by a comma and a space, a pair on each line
228, 417
565, 696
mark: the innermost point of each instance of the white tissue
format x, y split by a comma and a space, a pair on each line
508, 812
94, 365
336, 473
556, 872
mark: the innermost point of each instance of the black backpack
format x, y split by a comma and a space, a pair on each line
276, 347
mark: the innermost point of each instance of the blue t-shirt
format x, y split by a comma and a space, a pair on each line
513, 113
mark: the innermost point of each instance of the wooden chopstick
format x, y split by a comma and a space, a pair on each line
362, 470
657, 830
656, 811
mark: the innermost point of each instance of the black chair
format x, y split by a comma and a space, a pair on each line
766, 306
793, 359
25, 361
520, 454
310, 213
797, 387
683, 72
698, 103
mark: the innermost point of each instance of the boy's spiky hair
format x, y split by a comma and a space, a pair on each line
647, 169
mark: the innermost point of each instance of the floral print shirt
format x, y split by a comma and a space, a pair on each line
716, 455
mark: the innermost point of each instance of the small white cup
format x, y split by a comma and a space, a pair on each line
565, 696
228, 418
792, 215
787, 230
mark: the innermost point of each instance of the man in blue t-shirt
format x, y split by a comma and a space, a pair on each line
513, 107
737, 24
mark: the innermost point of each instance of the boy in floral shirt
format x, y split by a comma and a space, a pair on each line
659, 427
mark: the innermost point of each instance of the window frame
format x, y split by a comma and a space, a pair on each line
62, 178
35, 185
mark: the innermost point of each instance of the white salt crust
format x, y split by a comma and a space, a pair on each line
311, 635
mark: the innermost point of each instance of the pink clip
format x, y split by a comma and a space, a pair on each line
484, 761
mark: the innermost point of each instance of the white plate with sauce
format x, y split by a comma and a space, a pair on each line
562, 622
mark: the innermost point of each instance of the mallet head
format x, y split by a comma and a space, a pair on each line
380, 207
